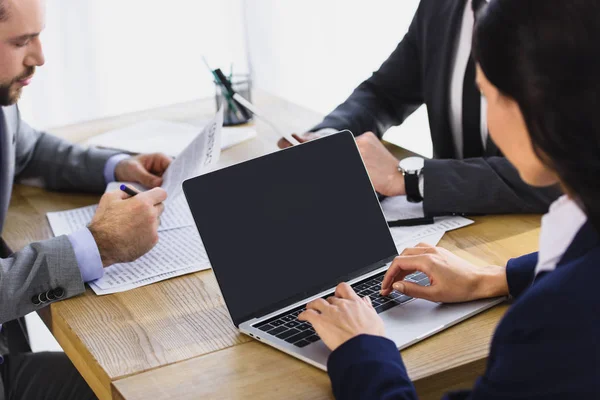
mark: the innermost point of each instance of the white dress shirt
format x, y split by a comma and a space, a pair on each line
559, 228
461, 59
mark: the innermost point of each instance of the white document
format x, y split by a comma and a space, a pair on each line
67, 222
432, 240
177, 214
398, 208
441, 225
144, 282
170, 138
203, 151
176, 250
406, 233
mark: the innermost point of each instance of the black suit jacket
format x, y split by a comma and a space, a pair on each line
419, 72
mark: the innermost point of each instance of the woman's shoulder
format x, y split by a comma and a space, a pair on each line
567, 295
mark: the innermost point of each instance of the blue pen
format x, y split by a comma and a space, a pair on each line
129, 190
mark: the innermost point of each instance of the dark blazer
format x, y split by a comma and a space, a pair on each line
419, 72
546, 347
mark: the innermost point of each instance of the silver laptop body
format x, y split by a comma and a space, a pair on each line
405, 324
266, 221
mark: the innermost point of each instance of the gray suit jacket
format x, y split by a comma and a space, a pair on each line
46, 269
418, 72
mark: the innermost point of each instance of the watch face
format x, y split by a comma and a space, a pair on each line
412, 164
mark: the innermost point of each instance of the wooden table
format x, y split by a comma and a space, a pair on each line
174, 339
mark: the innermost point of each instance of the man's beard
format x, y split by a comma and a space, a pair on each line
8, 95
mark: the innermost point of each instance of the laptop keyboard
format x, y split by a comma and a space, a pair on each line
287, 326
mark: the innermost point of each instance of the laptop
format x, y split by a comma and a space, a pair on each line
286, 228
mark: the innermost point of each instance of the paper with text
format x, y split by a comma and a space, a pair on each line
441, 225
176, 215
398, 208
203, 151
144, 282
433, 240
176, 250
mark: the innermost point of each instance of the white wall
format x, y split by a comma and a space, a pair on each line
315, 52
108, 57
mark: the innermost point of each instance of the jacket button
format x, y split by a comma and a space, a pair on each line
59, 293
35, 300
50, 295
43, 298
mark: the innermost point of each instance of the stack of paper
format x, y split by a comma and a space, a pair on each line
179, 250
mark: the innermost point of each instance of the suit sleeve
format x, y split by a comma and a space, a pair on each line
388, 97
370, 367
481, 186
53, 163
520, 273
39, 274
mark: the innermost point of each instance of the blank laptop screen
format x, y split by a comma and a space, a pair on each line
289, 225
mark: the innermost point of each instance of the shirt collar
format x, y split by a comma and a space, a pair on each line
559, 227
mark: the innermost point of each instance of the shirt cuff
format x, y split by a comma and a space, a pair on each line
87, 255
111, 165
422, 185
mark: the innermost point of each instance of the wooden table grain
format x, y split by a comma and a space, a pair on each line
174, 339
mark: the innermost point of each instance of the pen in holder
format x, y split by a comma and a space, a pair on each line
234, 113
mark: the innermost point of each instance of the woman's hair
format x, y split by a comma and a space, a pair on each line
545, 54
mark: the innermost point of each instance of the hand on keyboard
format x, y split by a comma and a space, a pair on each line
452, 279
342, 317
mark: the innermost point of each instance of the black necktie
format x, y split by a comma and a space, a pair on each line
471, 118
476, 5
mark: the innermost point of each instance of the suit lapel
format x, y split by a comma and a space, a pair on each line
451, 10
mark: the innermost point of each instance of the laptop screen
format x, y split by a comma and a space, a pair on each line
288, 225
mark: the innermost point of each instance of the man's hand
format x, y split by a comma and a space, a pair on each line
342, 317
452, 278
305, 137
381, 165
125, 228
146, 169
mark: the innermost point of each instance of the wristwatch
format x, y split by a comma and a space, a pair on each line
411, 169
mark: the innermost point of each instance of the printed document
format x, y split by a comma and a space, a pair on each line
196, 158
179, 249
399, 208
176, 215
176, 249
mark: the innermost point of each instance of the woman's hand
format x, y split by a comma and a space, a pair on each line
452, 279
342, 317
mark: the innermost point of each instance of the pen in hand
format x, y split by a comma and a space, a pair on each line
128, 190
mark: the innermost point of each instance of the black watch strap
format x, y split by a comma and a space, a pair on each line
411, 184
